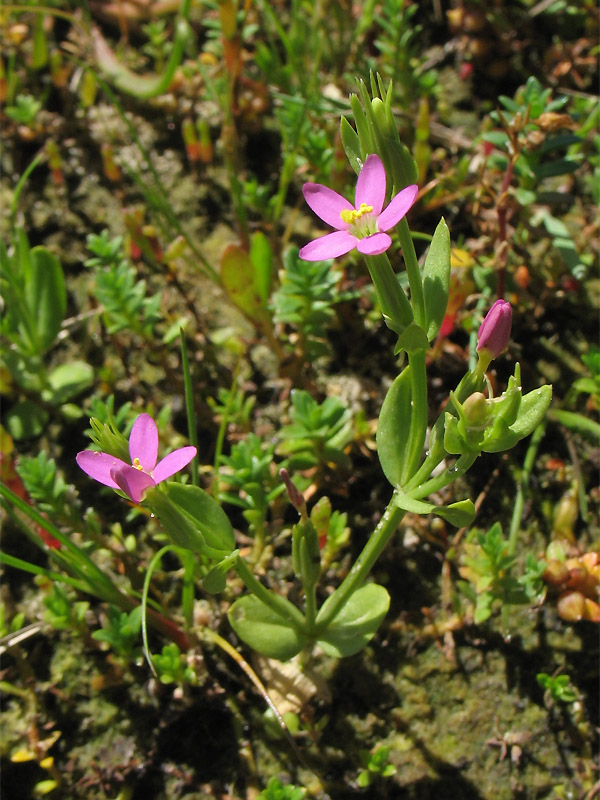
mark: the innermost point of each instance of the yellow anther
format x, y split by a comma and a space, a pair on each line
350, 215
136, 464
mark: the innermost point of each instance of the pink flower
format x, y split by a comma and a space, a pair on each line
143, 472
494, 332
361, 225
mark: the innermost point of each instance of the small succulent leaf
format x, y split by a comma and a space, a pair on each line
436, 279
357, 622
394, 426
264, 630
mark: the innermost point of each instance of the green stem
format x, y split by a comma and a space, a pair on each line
189, 404
392, 298
418, 419
310, 612
448, 476
382, 534
274, 601
413, 272
528, 463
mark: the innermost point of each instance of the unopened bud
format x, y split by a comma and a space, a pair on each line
475, 410
494, 332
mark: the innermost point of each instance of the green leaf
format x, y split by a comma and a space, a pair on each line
436, 279
351, 145
46, 296
458, 514
264, 630
532, 411
25, 420
357, 622
216, 579
412, 338
261, 256
192, 519
67, 381
577, 422
240, 284
393, 427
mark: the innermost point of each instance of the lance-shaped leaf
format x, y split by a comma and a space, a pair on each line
394, 426
356, 624
436, 279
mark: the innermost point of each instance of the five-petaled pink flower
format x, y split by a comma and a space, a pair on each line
143, 472
362, 225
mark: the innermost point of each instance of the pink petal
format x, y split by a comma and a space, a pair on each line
99, 466
397, 208
327, 204
172, 463
143, 442
374, 245
370, 186
331, 245
132, 481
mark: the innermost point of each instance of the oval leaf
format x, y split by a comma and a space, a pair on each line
264, 630
357, 622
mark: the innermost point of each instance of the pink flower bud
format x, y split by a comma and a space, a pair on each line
495, 329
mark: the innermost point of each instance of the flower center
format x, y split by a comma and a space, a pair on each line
352, 215
137, 465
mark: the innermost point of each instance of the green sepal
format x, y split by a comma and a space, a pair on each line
265, 630
436, 279
192, 519
458, 514
412, 338
393, 427
216, 579
357, 622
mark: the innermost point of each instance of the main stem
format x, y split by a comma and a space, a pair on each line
418, 418
413, 272
362, 566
